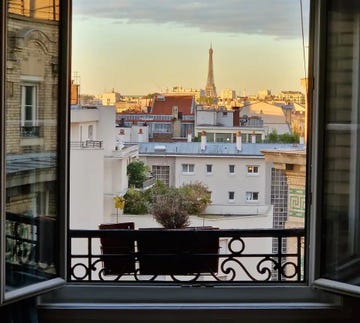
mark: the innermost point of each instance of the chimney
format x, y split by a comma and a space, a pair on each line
253, 138
140, 135
236, 116
203, 140
120, 139
189, 136
238, 141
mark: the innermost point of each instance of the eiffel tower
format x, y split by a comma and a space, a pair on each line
210, 89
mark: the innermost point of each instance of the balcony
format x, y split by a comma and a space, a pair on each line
264, 256
87, 144
195, 255
30, 131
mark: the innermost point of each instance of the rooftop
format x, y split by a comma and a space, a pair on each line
164, 104
212, 148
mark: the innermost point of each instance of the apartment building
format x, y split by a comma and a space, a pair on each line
243, 172
98, 162
253, 119
169, 118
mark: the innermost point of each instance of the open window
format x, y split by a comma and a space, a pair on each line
33, 145
336, 199
333, 229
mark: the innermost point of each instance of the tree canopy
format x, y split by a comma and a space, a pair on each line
137, 173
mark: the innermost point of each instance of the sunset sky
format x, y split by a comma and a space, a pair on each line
141, 46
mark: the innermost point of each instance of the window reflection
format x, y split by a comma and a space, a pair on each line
31, 141
341, 259
39, 9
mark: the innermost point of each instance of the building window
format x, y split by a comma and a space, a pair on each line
91, 132
29, 127
161, 127
161, 173
252, 170
188, 168
231, 169
231, 196
252, 196
209, 169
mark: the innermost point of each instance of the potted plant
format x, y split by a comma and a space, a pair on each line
176, 249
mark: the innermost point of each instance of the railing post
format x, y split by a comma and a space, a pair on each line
279, 257
89, 258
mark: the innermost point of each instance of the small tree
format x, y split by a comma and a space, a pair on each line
197, 196
170, 209
137, 172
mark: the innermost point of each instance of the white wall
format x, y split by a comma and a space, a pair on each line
86, 188
106, 127
220, 182
205, 117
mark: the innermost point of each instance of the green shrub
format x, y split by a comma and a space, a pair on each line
197, 196
135, 202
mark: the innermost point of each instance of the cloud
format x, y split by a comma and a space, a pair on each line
277, 18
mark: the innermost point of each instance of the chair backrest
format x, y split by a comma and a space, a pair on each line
118, 245
123, 225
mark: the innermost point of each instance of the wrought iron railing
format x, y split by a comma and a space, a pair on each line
192, 255
29, 247
93, 144
30, 131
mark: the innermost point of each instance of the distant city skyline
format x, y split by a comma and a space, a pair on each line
141, 47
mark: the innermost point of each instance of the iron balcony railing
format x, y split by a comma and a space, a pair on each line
199, 255
30, 131
29, 248
93, 144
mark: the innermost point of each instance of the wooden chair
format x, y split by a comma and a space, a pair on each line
122, 247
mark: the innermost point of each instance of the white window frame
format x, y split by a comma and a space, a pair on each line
250, 196
207, 169
34, 108
91, 132
231, 169
231, 199
251, 170
188, 169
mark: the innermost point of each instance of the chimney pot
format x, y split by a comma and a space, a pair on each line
203, 140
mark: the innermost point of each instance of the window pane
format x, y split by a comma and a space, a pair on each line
31, 152
341, 226
28, 95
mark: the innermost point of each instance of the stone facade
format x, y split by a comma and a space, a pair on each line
32, 60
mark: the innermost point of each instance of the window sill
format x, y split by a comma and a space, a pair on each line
106, 303
31, 142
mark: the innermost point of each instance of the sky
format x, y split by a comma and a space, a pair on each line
138, 47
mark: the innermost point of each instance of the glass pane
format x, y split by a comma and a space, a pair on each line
341, 258
28, 95
31, 152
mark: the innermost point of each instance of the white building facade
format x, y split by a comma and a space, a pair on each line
98, 166
239, 179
